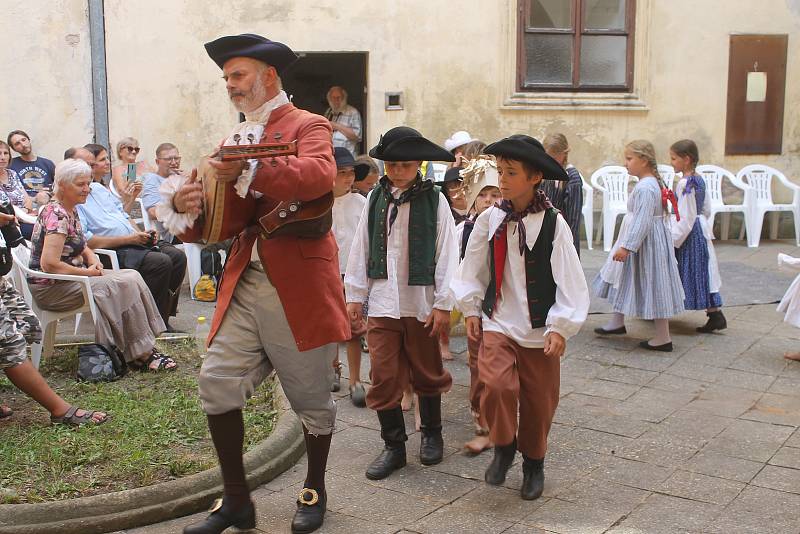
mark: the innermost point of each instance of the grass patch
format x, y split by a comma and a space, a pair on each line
157, 432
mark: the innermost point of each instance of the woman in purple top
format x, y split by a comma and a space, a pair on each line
12, 186
127, 315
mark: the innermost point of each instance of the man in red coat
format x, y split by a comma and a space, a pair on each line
280, 304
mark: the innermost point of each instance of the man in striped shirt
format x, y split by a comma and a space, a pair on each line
345, 120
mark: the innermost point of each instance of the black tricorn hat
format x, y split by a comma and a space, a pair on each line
272, 53
406, 144
345, 159
525, 148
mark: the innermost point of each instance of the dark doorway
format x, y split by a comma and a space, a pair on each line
307, 82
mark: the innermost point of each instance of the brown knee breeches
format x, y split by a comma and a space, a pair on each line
515, 378
399, 350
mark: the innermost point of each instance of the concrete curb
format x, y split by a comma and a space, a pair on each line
160, 502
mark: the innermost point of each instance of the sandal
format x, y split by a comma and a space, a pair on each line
163, 362
71, 419
5, 411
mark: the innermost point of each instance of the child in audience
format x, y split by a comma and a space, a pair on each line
640, 276
692, 235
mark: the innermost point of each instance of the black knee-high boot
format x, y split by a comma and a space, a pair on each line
431, 447
393, 456
235, 509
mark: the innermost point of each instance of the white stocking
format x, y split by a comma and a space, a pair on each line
617, 320
662, 332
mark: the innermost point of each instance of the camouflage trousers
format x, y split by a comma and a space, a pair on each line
18, 326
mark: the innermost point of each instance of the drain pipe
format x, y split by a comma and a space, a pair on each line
97, 39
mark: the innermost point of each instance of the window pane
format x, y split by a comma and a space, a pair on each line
549, 59
551, 14
603, 60
605, 14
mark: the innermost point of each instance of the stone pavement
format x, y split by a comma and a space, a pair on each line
704, 439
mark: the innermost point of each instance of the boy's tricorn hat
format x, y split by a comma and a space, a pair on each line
525, 148
251, 45
406, 144
345, 159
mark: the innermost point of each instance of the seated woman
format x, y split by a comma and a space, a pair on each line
127, 314
18, 327
127, 153
12, 186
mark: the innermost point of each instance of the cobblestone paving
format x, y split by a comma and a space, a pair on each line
704, 439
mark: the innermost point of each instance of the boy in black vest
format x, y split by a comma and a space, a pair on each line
403, 256
521, 282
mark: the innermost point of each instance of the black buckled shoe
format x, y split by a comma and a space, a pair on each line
532, 478
393, 455
716, 321
221, 518
310, 514
431, 446
501, 463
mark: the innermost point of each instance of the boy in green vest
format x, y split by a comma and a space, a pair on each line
523, 293
403, 256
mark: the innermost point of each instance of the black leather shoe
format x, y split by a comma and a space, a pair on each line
310, 513
666, 347
532, 478
391, 458
616, 332
716, 321
501, 463
221, 518
431, 446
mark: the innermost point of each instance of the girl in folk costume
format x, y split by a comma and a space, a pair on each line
482, 192
692, 235
790, 303
523, 292
347, 208
567, 197
403, 256
640, 276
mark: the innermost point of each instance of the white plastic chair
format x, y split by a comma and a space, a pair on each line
48, 319
587, 211
758, 198
613, 181
713, 176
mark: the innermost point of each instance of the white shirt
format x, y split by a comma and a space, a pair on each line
346, 214
393, 297
511, 315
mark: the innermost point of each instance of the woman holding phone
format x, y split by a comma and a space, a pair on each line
128, 170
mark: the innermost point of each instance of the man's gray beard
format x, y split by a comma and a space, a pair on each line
339, 109
256, 98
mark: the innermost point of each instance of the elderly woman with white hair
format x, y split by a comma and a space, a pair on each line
127, 314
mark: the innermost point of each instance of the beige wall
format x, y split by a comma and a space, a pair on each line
454, 65
46, 85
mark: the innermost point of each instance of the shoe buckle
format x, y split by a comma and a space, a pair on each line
216, 506
302, 499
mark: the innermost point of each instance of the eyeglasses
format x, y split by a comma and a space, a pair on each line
134, 149
171, 158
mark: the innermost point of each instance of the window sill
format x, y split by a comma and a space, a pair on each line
575, 102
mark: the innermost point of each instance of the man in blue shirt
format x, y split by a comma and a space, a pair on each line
168, 161
36, 172
107, 225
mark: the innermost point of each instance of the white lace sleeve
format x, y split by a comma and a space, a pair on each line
176, 223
